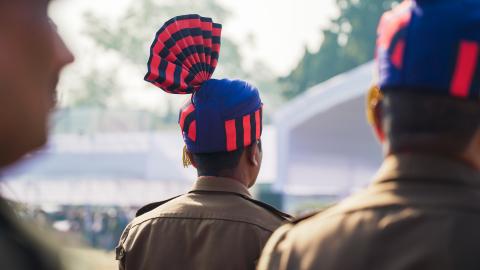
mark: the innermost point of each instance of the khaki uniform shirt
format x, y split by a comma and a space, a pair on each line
422, 212
216, 226
20, 249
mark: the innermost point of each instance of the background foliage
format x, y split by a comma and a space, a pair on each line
349, 41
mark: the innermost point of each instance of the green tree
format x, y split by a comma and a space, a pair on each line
132, 33
349, 41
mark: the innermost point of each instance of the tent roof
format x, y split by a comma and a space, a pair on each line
136, 156
323, 96
325, 145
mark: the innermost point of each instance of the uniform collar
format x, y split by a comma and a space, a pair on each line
220, 184
427, 167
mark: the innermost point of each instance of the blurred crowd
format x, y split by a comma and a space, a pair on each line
96, 226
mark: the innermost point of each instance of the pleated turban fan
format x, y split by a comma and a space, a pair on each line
220, 115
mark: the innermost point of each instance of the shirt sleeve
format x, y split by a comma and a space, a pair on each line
275, 255
120, 249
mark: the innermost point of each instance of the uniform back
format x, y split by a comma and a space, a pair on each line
215, 226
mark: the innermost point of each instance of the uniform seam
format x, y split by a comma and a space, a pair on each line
192, 218
465, 210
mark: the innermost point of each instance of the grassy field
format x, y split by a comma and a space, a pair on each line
91, 259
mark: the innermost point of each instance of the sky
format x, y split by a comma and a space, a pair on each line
281, 28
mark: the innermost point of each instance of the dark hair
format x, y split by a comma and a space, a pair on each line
427, 122
215, 164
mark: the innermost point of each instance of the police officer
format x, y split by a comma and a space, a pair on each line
31, 58
423, 209
217, 225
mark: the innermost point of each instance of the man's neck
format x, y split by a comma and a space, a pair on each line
237, 178
464, 158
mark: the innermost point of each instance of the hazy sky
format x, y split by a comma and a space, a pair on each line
281, 30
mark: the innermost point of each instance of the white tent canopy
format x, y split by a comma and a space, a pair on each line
113, 168
110, 169
325, 146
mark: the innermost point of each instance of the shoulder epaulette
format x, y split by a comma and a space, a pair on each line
271, 209
149, 207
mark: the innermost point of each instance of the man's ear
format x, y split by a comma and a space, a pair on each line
253, 155
378, 120
471, 153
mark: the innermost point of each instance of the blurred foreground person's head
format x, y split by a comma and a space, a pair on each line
427, 99
31, 58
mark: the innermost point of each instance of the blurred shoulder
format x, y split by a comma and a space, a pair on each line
320, 225
297, 237
24, 245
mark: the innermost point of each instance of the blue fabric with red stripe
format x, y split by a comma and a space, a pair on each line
221, 115
431, 46
216, 103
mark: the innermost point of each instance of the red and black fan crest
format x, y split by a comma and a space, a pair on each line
184, 54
